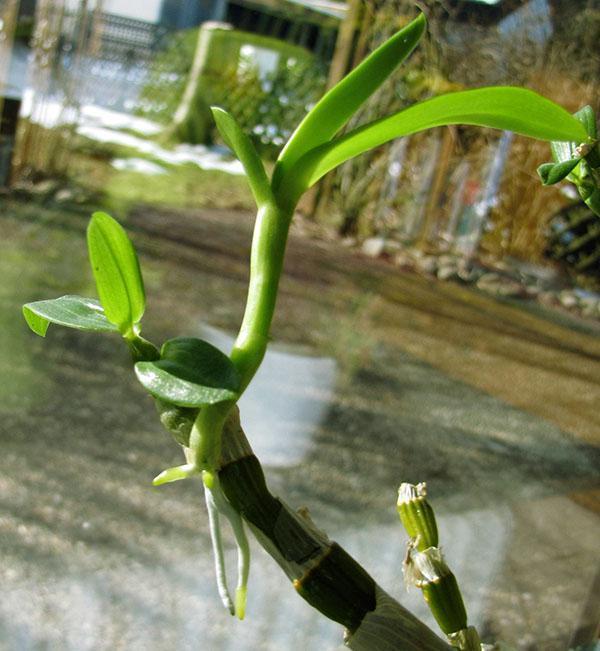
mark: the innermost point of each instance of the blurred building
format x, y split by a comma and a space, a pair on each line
312, 24
183, 14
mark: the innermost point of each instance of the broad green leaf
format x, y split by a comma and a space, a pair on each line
552, 173
70, 311
239, 142
190, 373
513, 109
342, 101
116, 270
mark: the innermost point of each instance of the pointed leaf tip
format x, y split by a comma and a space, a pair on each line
36, 323
242, 146
70, 311
175, 474
342, 101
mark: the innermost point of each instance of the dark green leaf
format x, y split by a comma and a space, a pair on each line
244, 149
116, 271
70, 311
552, 173
142, 350
190, 373
177, 420
340, 103
514, 109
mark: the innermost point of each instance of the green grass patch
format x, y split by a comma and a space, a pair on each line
180, 186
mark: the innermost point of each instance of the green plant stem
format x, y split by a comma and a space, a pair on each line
322, 573
266, 262
205, 438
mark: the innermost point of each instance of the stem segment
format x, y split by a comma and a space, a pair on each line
266, 262
321, 571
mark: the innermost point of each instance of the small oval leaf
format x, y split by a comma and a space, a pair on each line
70, 311
116, 270
552, 173
190, 373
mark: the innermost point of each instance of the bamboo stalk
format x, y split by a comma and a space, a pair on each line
322, 573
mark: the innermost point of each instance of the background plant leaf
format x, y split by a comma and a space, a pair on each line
502, 107
243, 148
70, 311
342, 101
116, 270
190, 373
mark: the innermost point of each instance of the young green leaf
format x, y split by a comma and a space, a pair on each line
566, 151
243, 148
190, 373
117, 272
175, 474
342, 101
70, 311
587, 117
514, 109
552, 173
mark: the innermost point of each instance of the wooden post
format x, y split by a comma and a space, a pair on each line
192, 119
8, 22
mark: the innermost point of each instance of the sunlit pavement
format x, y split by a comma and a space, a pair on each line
375, 377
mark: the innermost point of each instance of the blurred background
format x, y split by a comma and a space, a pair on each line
438, 318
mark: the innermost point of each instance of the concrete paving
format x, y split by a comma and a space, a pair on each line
375, 377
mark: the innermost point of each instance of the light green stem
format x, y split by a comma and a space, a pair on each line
266, 262
205, 438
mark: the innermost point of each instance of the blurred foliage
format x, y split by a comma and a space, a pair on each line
94, 179
574, 239
358, 187
167, 77
268, 106
420, 191
24, 28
